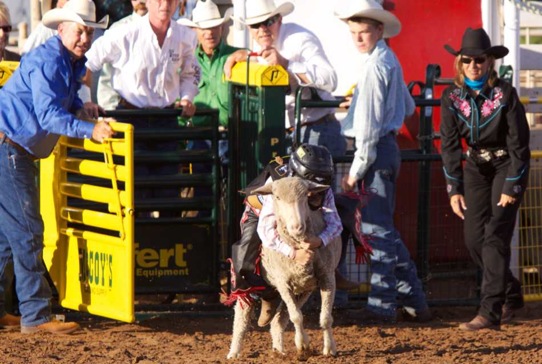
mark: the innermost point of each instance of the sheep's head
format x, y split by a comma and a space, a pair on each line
291, 207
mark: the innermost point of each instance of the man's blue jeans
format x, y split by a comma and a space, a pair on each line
393, 274
327, 134
21, 236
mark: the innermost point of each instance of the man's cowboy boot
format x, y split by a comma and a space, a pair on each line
479, 323
268, 311
344, 284
9, 321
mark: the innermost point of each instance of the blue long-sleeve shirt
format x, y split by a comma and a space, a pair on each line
38, 102
380, 104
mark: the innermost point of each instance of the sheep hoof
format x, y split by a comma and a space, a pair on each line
233, 356
303, 355
278, 353
329, 352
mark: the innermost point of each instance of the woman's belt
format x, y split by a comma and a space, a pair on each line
482, 156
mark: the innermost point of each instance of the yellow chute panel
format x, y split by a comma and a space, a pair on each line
259, 74
89, 229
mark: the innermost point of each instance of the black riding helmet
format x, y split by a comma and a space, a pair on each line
312, 162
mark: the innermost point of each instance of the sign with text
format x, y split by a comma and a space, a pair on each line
172, 257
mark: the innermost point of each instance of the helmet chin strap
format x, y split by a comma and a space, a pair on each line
316, 201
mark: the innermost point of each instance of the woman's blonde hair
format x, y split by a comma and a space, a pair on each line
4, 12
459, 77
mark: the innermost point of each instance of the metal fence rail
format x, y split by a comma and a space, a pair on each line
527, 254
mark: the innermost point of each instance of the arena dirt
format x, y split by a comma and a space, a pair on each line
204, 337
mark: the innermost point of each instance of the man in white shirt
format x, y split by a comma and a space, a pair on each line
154, 68
299, 52
106, 95
153, 58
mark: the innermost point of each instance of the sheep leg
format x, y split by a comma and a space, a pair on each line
241, 322
277, 328
300, 303
296, 316
327, 293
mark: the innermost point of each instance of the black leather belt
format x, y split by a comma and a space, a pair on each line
5, 139
322, 120
126, 105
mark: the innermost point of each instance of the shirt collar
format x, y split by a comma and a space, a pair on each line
380, 45
218, 50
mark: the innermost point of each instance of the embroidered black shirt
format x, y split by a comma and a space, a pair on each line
493, 120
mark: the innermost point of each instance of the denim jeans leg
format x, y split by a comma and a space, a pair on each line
21, 224
327, 134
382, 297
409, 287
377, 222
6, 275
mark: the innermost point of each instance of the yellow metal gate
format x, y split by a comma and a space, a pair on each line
87, 205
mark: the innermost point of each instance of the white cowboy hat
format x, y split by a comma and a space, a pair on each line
257, 11
206, 15
372, 10
79, 11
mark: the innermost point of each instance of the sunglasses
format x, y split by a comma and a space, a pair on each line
6, 28
477, 60
267, 23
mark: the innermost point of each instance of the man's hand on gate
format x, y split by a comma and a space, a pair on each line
102, 130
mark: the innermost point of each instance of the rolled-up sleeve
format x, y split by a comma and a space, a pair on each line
312, 61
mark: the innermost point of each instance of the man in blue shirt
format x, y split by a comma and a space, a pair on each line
37, 105
380, 103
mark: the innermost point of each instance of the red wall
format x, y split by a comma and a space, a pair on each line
427, 25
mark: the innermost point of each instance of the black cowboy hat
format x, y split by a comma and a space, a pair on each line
476, 42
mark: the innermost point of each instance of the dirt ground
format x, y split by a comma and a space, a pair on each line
203, 336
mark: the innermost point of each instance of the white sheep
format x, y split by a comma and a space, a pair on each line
294, 282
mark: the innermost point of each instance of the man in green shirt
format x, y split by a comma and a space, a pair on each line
211, 52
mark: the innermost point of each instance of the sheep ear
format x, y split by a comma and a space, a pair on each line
316, 187
264, 190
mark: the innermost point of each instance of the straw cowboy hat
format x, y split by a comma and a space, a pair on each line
476, 42
372, 10
78, 11
206, 15
257, 11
